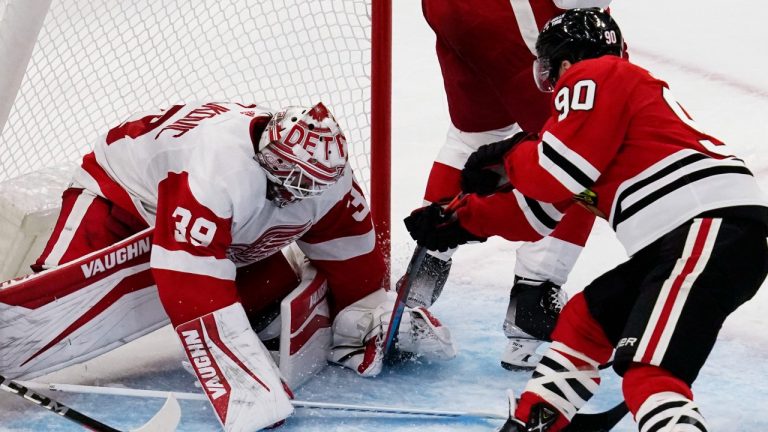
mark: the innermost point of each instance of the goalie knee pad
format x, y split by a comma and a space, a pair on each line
670, 412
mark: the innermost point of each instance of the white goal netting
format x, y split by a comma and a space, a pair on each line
97, 61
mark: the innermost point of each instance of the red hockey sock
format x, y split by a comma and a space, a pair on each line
527, 402
578, 330
641, 381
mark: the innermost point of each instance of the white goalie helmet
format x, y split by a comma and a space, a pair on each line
303, 152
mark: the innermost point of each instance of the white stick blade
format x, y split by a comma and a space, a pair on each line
166, 420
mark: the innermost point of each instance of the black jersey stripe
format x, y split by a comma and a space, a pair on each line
621, 215
540, 214
674, 166
569, 167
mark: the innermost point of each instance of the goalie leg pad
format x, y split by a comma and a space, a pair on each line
360, 328
236, 371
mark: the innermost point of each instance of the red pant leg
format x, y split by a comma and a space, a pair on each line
86, 223
486, 61
263, 284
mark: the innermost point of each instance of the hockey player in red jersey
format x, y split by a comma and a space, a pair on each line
692, 219
226, 187
486, 50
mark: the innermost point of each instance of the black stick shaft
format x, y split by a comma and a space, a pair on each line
402, 294
54, 406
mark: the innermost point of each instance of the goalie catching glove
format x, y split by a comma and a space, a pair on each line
437, 230
484, 169
359, 331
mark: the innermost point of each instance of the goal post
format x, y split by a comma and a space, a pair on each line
94, 62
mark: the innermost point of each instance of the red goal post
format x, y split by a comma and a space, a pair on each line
70, 69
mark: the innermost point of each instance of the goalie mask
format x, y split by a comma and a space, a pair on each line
303, 152
577, 34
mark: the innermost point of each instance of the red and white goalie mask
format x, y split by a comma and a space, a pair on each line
303, 152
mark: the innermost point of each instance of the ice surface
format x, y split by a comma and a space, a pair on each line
710, 55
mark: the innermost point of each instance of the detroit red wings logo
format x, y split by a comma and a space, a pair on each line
319, 112
271, 241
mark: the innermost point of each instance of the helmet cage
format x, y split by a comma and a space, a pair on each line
290, 175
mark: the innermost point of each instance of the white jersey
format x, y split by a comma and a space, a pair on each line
190, 171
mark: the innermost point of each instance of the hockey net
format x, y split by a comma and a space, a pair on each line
97, 61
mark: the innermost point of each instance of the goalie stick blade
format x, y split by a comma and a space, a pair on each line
598, 422
166, 420
417, 260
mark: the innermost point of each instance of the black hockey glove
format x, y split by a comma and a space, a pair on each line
437, 231
482, 171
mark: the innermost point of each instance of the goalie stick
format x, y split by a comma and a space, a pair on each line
592, 422
598, 422
403, 288
405, 283
164, 421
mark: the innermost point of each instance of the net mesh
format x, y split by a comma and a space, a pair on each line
97, 61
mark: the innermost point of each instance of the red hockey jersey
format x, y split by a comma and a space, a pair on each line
619, 139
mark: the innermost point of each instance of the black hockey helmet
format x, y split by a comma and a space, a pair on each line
575, 35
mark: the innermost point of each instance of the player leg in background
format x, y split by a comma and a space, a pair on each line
662, 311
86, 223
485, 58
536, 298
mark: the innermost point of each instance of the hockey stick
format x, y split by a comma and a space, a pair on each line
164, 421
404, 284
599, 422
404, 287
596, 422
121, 391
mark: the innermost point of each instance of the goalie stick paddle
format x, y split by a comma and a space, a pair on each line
165, 420
404, 287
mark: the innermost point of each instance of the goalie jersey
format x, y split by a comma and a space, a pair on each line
620, 144
190, 171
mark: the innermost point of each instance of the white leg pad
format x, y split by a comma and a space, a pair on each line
236, 371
